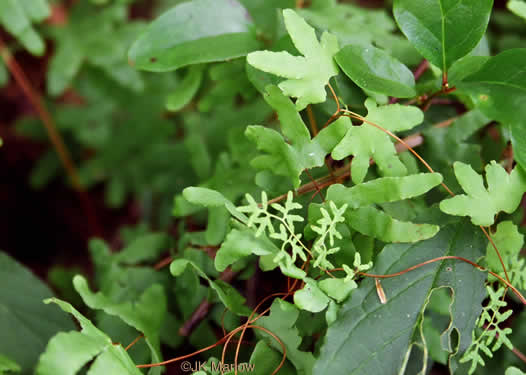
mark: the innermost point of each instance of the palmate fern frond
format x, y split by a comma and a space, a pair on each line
489, 330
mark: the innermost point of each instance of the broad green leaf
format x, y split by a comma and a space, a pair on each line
375, 223
513, 371
307, 75
17, 17
212, 199
281, 322
266, 360
25, 322
145, 315
239, 244
499, 91
290, 156
144, 248
68, 352
504, 193
443, 31
227, 294
7, 365
195, 32
311, 297
339, 289
366, 141
517, 7
509, 242
374, 338
385, 189
368, 220
186, 90
375, 70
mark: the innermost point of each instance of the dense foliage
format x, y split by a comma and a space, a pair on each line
323, 188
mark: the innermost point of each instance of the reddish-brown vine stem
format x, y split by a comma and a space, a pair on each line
412, 268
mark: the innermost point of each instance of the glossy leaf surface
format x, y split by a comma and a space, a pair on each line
443, 31
195, 32
357, 342
375, 70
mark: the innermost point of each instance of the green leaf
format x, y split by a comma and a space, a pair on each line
211, 199
26, 324
375, 70
266, 360
145, 315
445, 145
68, 352
370, 221
385, 189
373, 222
371, 337
144, 248
281, 322
186, 90
339, 289
299, 152
355, 25
509, 242
17, 16
239, 244
74, 348
366, 141
443, 31
310, 297
307, 75
517, 7
499, 91
195, 32
504, 193
513, 371
8, 365
227, 294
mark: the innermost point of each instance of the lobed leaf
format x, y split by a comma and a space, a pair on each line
366, 141
281, 322
239, 244
509, 241
17, 17
229, 296
68, 352
300, 152
307, 75
504, 193
145, 315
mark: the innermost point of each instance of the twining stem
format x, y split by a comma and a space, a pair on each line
412, 268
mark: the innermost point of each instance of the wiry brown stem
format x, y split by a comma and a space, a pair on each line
56, 139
